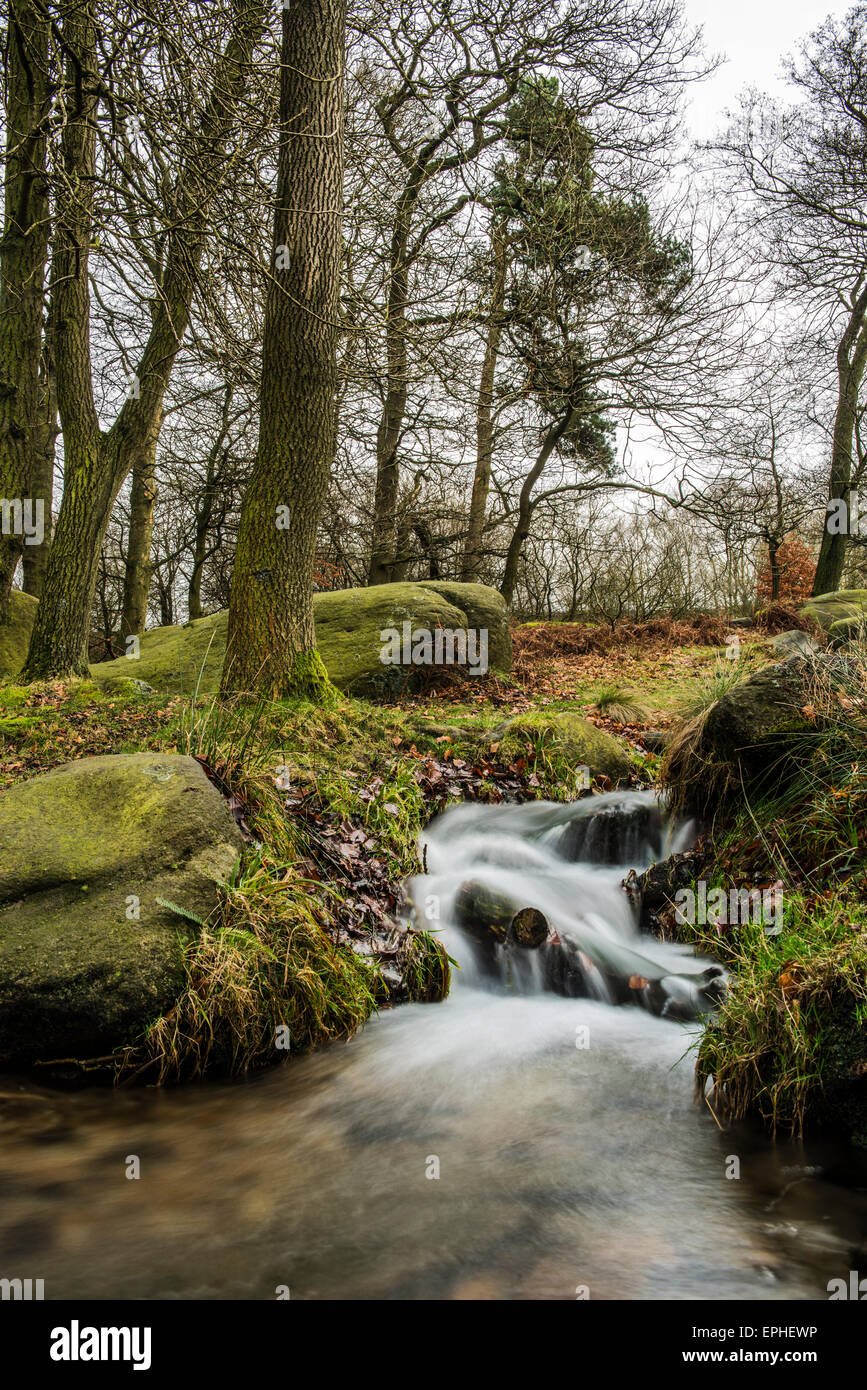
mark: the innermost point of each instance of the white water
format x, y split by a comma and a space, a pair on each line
519, 851
559, 1166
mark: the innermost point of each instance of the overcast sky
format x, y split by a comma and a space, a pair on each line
753, 35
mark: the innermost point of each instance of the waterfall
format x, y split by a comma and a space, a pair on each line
566, 864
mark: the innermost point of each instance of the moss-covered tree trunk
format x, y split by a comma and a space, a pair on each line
23, 254
96, 464
472, 555
272, 638
851, 363
139, 568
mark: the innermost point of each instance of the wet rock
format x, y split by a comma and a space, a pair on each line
614, 834
653, 891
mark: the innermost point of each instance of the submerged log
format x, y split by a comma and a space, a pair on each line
482, 910
491, 917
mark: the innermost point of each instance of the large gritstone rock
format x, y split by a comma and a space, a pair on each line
350, 624
91, 853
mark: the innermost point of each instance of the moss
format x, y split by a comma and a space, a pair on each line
788, 1042
308, 678
266, 980
560, 741
175, 659
15, 633
89, 819
427, 969
78, 975
485, 609
13, 696
851, 629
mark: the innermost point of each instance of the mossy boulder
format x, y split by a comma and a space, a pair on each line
15, 633
760, 713
749, 740
349, 624
848, 630
828, 609
172, 659
89, 955
486, 610
567, 740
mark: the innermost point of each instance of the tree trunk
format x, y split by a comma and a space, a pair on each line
525, 504
139, 567
485, 911
851, 361
272, 639
774, 566
96, 464
194, 590
472, 556
35, 558
205, 511
382, 557
23, 254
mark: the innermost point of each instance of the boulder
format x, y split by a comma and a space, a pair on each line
794, 642
827, 609
755, 717
567, 738
15, 632
349, 624
92, 851
485, 609
750, 739
848, 630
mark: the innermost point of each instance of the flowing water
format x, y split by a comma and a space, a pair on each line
508, 1143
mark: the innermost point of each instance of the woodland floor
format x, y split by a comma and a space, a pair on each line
45, 725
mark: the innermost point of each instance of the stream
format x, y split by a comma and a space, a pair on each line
510, 1143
